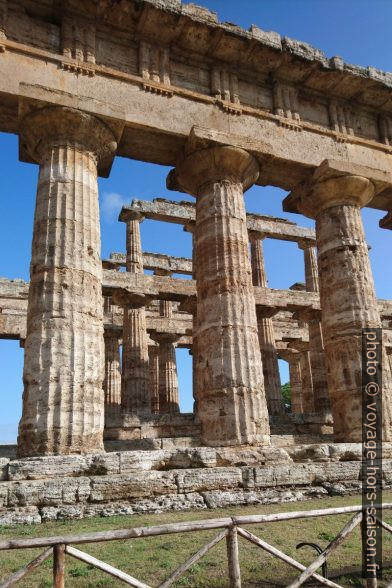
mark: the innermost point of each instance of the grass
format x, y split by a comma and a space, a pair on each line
153, 559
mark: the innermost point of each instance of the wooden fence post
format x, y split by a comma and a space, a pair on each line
58, 566
233, 558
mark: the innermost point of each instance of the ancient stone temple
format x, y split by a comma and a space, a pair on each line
224, 109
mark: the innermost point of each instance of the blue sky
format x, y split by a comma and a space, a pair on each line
357, 30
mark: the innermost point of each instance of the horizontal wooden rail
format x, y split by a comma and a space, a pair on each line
59, 546
172, 528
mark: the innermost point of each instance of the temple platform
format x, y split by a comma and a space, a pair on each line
35, 490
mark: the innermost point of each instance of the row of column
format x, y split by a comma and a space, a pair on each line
63, 400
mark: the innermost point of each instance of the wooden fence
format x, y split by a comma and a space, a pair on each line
229, 529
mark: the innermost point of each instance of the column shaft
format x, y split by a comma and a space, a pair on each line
347, 294
349, 304
112, 381
168, 379
135, 395
153, 355
63, 400
316, 345
296, 385
306, 382
272, 384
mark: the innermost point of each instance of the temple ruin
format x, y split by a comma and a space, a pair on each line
163, 82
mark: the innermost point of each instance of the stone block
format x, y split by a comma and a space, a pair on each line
36, 468
199, 480
346, 451
4, 468
311, 453
142, 460
59, 466
248, 456
172, 502
134, 485
19, 516
3, 494
48, 492
198, 457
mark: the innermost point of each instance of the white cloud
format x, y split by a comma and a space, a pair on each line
111, 204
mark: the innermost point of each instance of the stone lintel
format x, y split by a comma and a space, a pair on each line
184, 213
153, 261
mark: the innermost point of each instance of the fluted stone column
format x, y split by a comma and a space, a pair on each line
347, 293
322, 403
231, 402
307, 395
112, 380
153, 358
168, 378
272, 384
135, 393
63, 399
295, 384
293, 359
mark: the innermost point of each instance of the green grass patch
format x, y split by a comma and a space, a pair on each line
153, 559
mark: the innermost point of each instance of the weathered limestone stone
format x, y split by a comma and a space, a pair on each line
231, 403
225, 498
4, 468
48, 492
272, 385
347, 293
19, 516
112, 380
63, 402
198, 480
248, 456
135, 395
125, 486
316, 346
63, 466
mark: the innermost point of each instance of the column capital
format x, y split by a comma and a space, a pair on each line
160, 337
256, 236
43, 128
131, 300
214, 164
289, 355
334, 183
306, 244
127, 215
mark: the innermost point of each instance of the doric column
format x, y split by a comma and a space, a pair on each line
231, 402
293, 359
347, 293
272, 385
168, 379
316, 346
153, 359
135, 392
310, 261
63, 400
307, 395
112, 380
